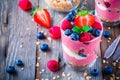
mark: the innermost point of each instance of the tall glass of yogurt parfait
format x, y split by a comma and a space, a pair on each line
81, 35
108, 11
63, 5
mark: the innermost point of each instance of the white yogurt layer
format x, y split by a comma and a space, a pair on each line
70, 53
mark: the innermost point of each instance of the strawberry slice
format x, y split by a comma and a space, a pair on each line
81, 21
42, 17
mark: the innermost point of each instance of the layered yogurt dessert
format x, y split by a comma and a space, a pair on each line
108, 11
81, 34
62, 5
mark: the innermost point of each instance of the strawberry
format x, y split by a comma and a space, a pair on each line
83, 19
25, 5
42, 17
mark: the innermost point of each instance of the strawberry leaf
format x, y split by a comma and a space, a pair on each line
34, 10
83, 13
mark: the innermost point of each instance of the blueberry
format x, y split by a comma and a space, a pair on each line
68, 32
74, 36
82, 55
10, 69
73, 12
44, 47
19, 62
94, 72
106, 34
71, 16
96, 32
68, 17
40, 35
108, 70
90, 30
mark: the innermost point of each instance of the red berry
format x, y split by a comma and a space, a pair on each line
25, 5
66, 24
81, 21
97, 25
53, 65
55, 32
85, 37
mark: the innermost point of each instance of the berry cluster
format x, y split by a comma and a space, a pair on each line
81, 25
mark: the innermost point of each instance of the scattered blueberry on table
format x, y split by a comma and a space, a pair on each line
44, 47
106, 34
94, 72
40, 35
19, 62
108, 70
10, 69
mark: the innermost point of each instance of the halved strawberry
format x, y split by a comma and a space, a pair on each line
81, 21
42, 17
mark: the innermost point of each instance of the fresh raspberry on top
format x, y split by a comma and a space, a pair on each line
97, 25
85, 37
66, 24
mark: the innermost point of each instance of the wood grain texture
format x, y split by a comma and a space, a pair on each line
3, 39
18, 41
56, 52
22, 43
115, 31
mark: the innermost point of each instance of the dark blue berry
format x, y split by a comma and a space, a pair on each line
68, 32
40, 35
44, 47
74, 36
19, 62
106, 34
90, 29
73, 12
108, 70
82, 55
94, 72
96, 32
71, 16
10, 69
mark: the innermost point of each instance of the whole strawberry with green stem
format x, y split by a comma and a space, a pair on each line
41, 16
83, 18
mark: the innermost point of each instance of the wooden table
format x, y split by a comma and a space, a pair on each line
18, 41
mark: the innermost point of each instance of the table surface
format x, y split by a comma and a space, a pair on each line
18, 41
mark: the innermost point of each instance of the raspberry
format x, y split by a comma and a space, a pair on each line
25, 5
55, 32
66, 24
53, 65
97, 25
85, 37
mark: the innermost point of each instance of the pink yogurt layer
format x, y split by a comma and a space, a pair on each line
90, 48
109, 10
